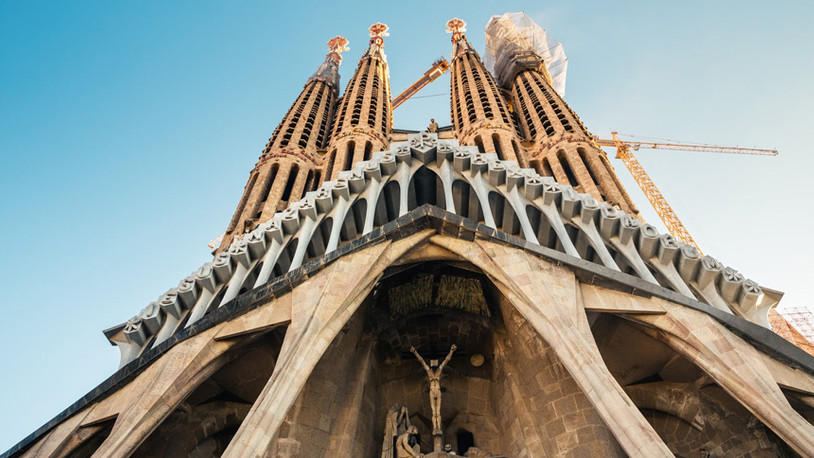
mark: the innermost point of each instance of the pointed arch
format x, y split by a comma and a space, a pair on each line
426, 188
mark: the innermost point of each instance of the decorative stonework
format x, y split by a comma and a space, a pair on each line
514, 200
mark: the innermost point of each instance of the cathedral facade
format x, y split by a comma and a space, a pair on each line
485, 289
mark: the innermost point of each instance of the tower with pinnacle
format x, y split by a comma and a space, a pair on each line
364, 118
290, 164
488, 292
478, 112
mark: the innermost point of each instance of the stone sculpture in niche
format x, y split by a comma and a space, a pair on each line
434, 376
398, 422
406, 446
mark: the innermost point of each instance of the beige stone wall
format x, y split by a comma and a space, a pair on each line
548, 398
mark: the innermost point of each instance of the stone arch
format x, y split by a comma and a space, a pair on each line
467, 203
387, 205
505, 218
688, 410
546, 236
283, 263
426, 188
319, 239
205, 422
354, 221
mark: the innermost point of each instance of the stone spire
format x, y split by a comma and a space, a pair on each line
364, 119
290, 164
479, 113
561, 146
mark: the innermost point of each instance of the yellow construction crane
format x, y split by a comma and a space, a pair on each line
438, 68
668, 216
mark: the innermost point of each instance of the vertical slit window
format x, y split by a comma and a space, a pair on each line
289, 185
368, 150
349, 155
269, 181
566, 167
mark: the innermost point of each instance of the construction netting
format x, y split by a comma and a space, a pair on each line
514, 42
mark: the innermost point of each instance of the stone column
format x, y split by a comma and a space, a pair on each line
546, 296
735, 365
318, 313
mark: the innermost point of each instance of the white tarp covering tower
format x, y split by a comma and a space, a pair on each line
515, 42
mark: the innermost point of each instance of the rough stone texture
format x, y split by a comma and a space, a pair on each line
553, 416
547, 387
318, 315
546, 296
292, 342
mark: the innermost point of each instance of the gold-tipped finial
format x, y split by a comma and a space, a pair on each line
456, 27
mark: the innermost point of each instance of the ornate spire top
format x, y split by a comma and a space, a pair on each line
379, 30
456, 27
377, 33
337, 45
329, 70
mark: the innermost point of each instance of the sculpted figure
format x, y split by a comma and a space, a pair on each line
398, 421
433, 127
434, 376
404, 449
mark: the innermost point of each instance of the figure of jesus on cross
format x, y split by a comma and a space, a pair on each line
434, 375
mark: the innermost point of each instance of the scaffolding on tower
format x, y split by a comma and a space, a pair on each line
515, 42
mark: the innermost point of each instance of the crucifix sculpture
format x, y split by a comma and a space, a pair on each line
434, 376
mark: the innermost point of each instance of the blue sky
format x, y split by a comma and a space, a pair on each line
127, 132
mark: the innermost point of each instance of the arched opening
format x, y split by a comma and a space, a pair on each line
349, 151
242, 203
692, 415
545, 168
319, 240
505, 218
465, 440
207, 420
426, 188
466, 201
387, 207
330, 167
498, 148
542, 228
269, 181
479, 144
317, 180
309, 181
583, 156
368, 150
354, 222
251, 278
289, 184
566, 168
284, 260
90, 438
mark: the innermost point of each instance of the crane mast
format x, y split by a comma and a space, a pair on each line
663, 209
